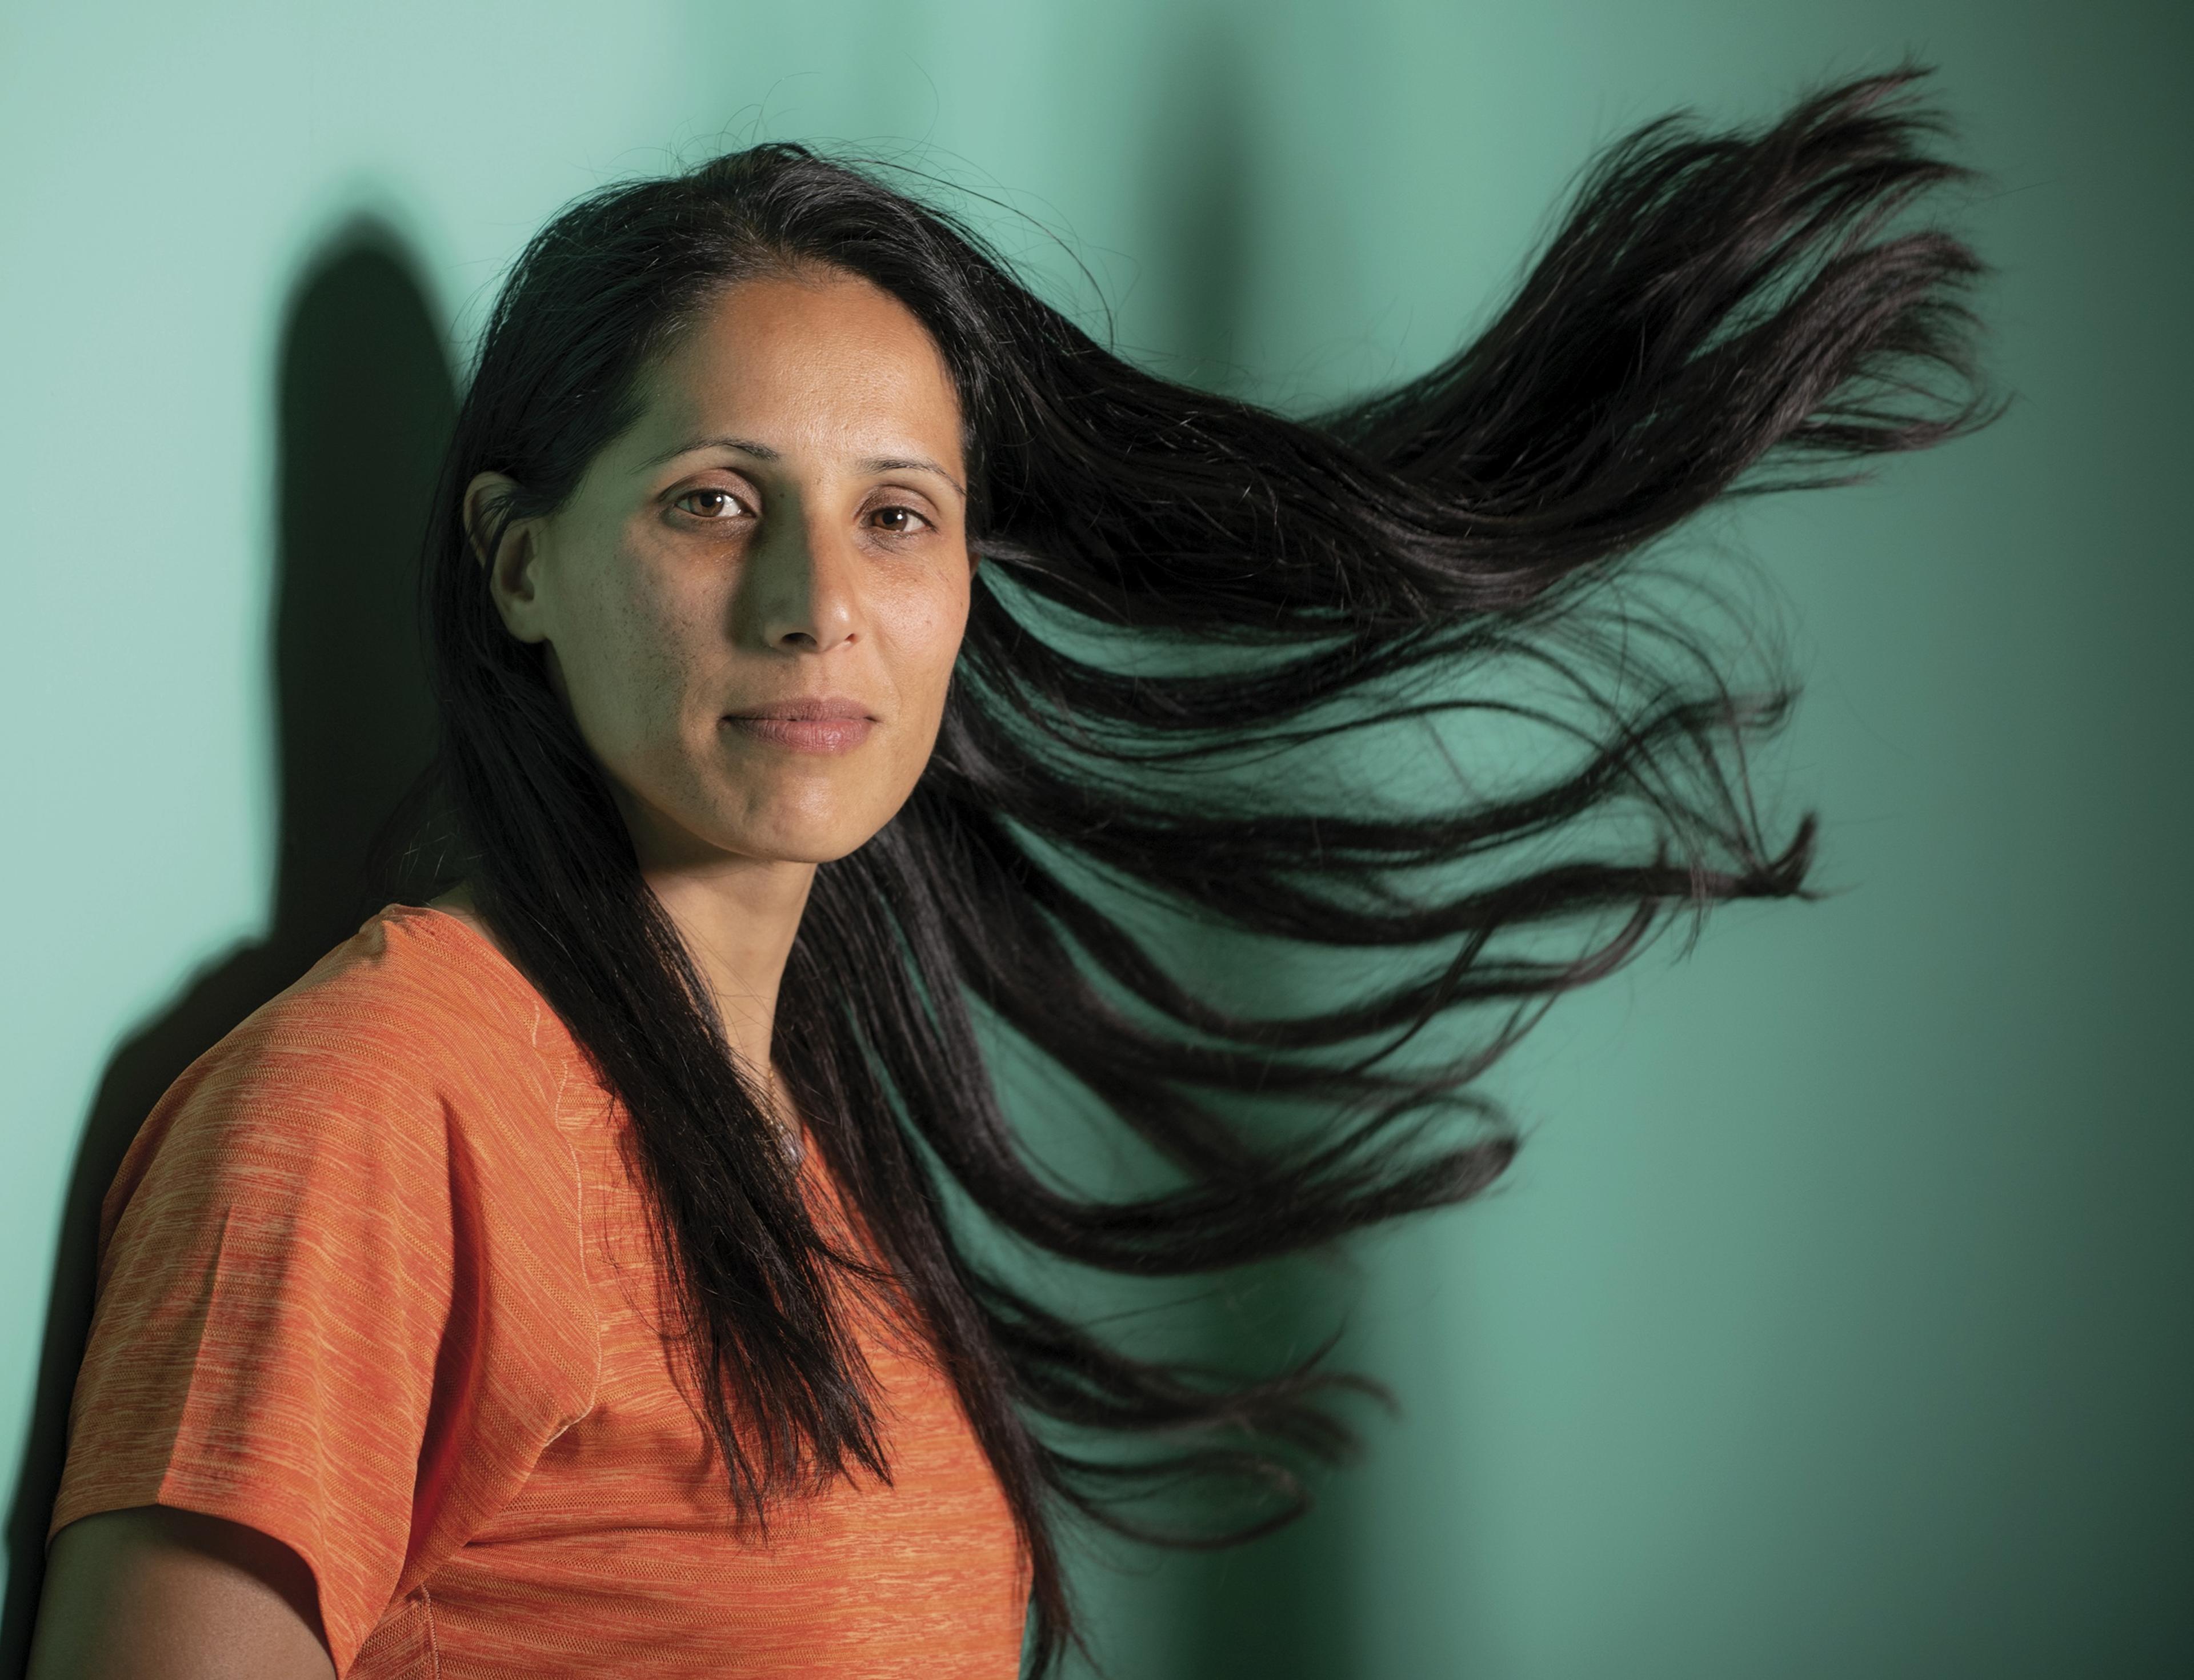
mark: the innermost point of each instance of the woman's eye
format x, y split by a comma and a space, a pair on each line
898, 521
709, 504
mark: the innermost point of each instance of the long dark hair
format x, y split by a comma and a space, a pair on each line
1717, 313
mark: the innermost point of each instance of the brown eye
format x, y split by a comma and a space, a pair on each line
898, 521
709, 504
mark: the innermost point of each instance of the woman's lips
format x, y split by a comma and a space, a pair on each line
830, 725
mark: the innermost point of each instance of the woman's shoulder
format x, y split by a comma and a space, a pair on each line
417, 999
416, 986
413, 1037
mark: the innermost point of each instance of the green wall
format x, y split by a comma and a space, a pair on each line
1836, 1319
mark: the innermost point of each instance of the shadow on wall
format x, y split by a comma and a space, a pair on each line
1199, 176
366, 401
1278, 1608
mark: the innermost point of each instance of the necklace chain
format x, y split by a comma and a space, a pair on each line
774, 1107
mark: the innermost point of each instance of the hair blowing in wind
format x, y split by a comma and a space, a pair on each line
1716, 313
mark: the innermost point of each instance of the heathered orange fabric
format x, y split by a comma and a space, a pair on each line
374, 1280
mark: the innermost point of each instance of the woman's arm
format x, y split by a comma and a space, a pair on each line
156, 1594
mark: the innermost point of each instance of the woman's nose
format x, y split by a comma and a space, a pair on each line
799, 587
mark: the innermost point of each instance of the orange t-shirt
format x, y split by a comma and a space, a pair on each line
375, 1280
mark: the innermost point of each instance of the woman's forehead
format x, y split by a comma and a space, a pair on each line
832, 363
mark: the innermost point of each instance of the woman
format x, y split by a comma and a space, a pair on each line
598, 1270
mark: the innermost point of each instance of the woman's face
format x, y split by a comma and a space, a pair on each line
753, 600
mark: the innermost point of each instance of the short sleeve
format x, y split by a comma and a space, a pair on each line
274, 1297
341, 1296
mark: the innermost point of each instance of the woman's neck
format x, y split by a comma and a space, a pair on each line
738, 918
738, 915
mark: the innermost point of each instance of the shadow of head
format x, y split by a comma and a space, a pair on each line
364, 401
365, 404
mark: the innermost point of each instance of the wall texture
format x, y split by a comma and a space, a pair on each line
1835, 1320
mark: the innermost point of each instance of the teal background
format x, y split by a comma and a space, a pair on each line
1836, 1319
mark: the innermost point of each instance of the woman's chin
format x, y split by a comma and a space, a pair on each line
812, 841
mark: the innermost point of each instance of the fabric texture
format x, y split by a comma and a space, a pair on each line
374, 1279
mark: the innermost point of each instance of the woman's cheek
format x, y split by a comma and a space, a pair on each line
630, 697
929, 623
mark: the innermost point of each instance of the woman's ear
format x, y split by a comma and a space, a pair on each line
509, 550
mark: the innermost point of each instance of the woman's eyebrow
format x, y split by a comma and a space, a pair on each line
743, 445
909, 463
